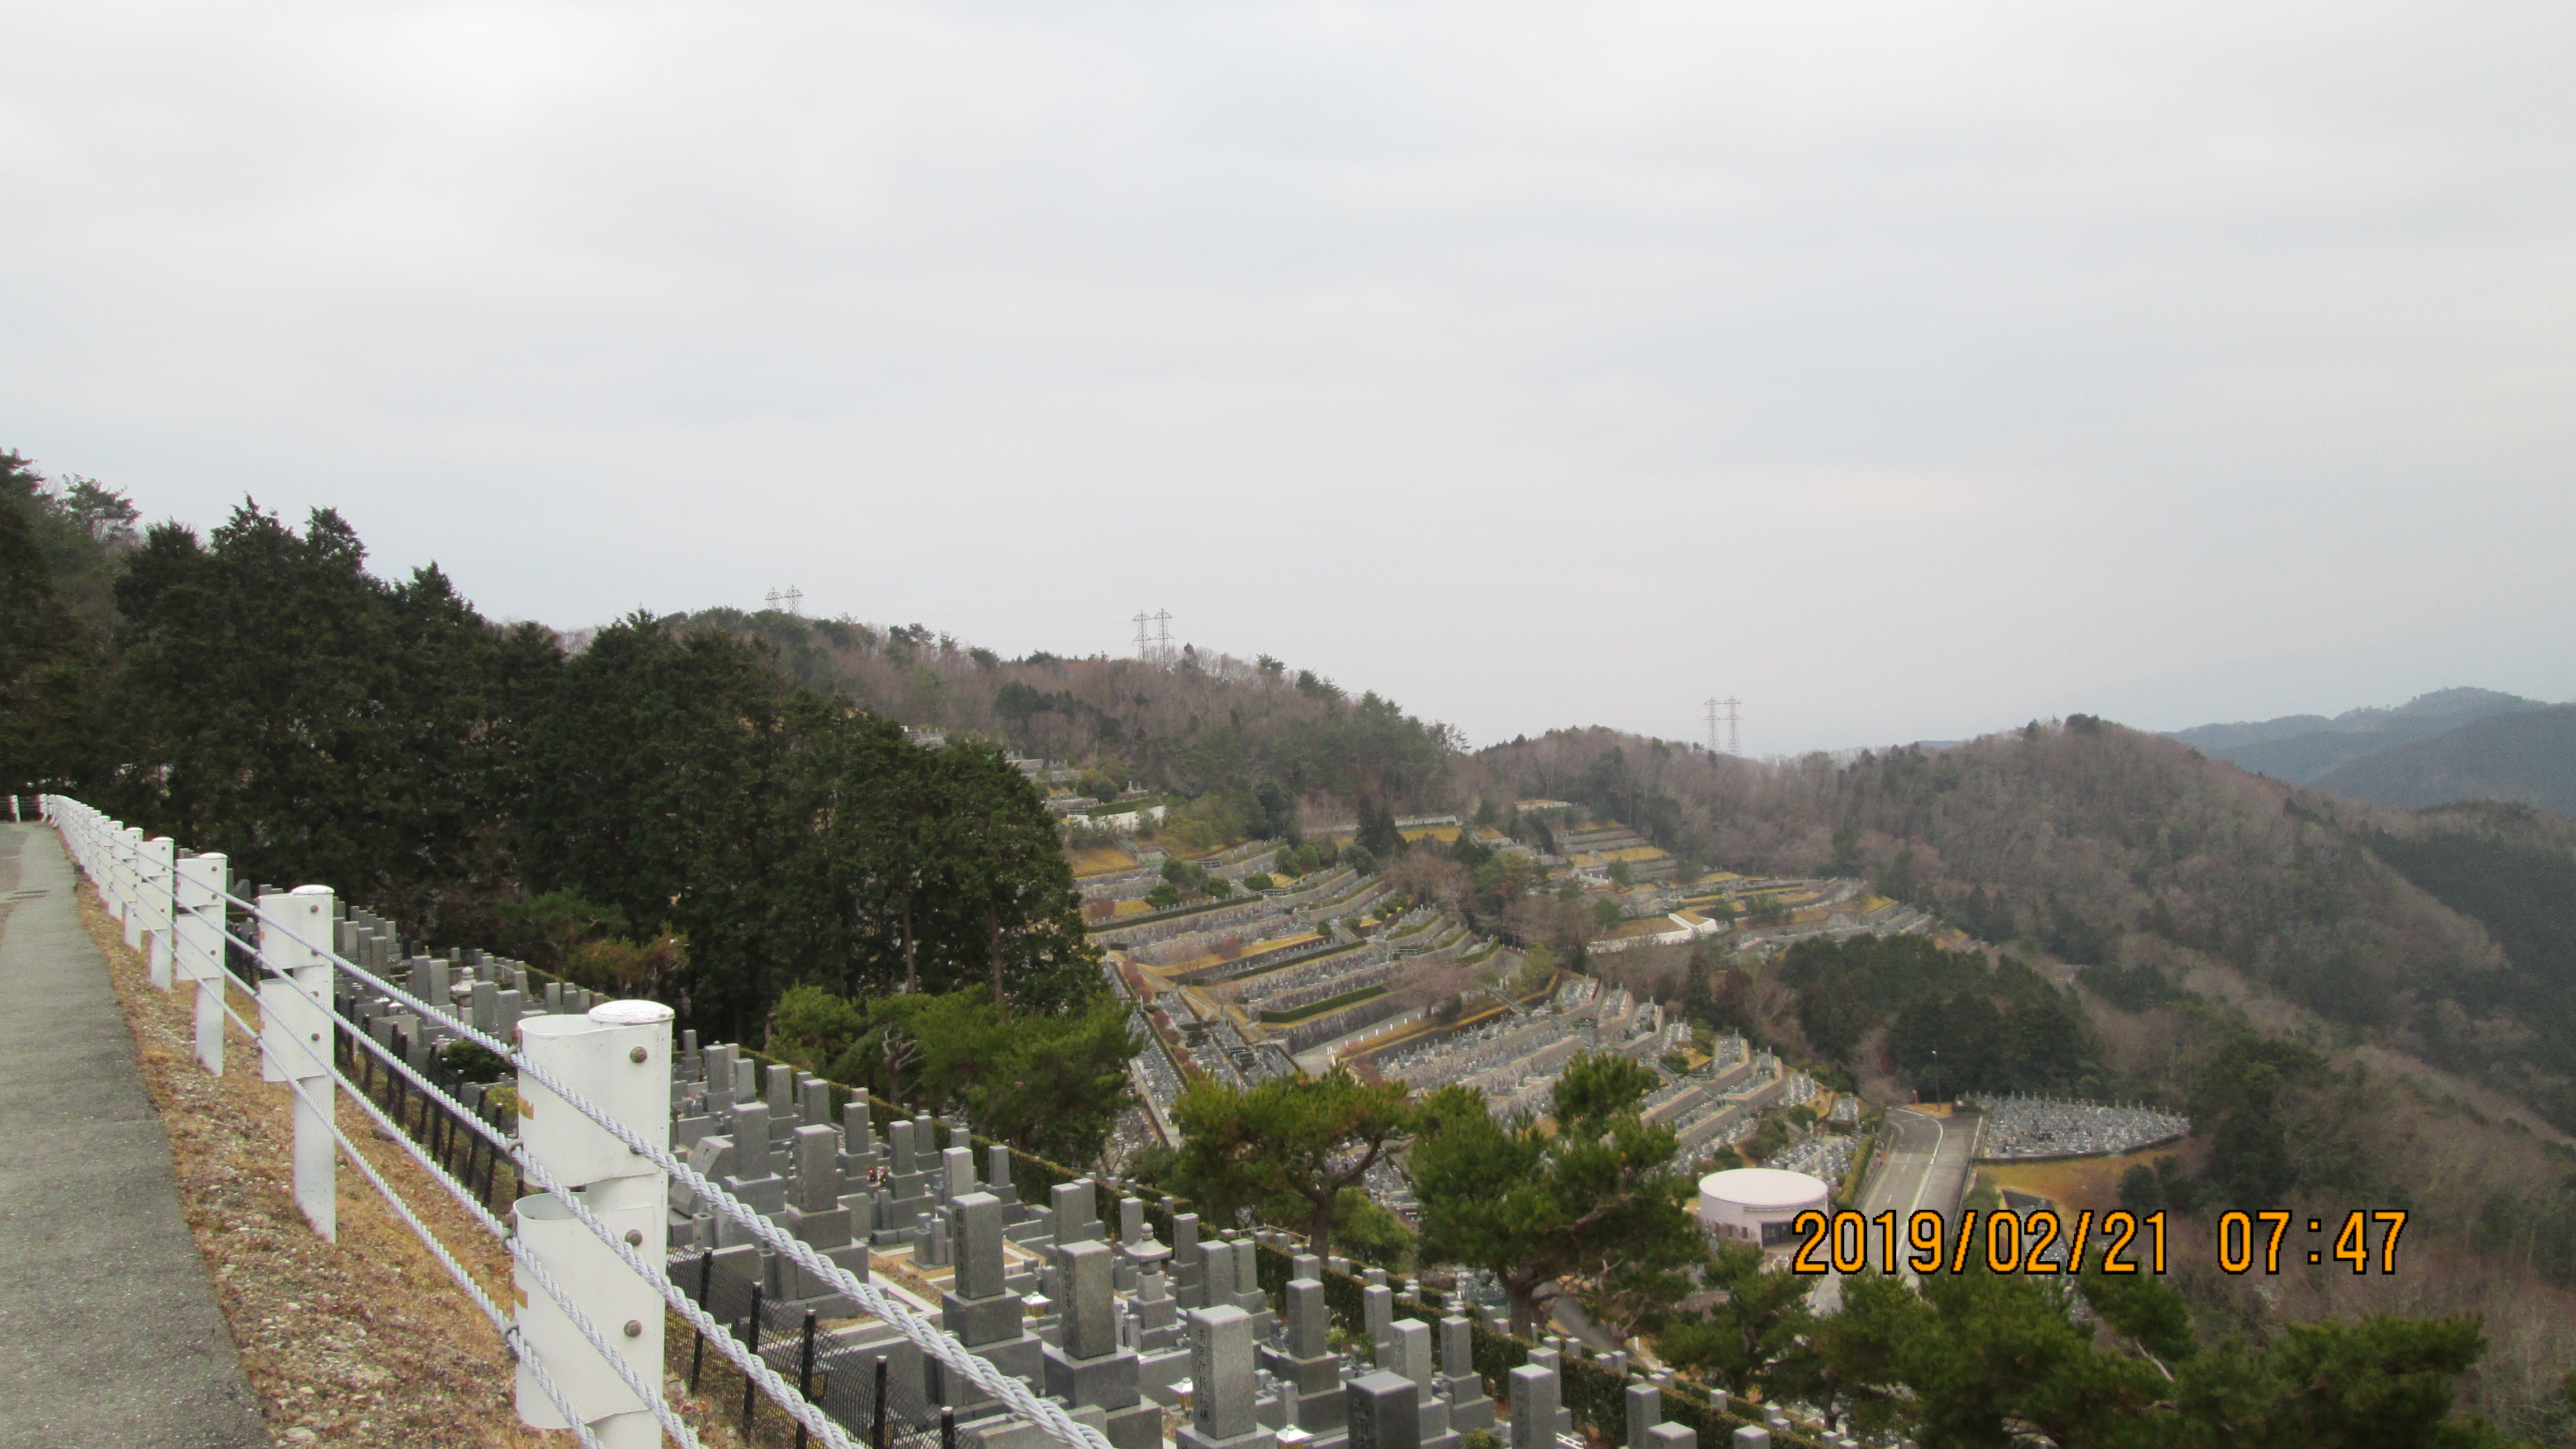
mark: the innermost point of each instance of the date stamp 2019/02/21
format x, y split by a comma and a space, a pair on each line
2042, 1242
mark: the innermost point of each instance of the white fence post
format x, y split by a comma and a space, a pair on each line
129, 894
295, 1039
160, 881
619, 1058
197, 943
111, 880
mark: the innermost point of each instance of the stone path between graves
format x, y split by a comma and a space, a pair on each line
109, 1333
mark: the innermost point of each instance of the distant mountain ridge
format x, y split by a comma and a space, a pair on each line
2305, 748
2527, 757
2356, 731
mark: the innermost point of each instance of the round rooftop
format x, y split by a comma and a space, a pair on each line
1762, 1187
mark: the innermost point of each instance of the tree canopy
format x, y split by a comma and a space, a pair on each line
744, 834
1594, 1193
1286, 1146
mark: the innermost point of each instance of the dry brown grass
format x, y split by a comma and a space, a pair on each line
1100, 860
2077, 1183
367, 1341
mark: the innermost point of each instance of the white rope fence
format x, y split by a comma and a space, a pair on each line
411, 1219
142, 882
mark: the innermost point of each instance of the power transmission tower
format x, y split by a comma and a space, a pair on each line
1712, 724
1163, 621
793, 597
1144, 647
1734, 741
771, 599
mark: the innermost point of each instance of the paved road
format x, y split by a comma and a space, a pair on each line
1570, 1318
1928, 1163
109, 1332
1927, 1166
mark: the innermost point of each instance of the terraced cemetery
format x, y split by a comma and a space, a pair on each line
1267, 958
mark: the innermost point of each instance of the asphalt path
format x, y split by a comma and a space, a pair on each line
109, 1332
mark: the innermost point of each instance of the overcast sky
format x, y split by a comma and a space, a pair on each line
1902, 370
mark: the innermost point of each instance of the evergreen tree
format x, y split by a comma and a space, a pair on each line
1598, 1197
1288, 1147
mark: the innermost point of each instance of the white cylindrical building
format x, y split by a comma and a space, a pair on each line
1757, 1205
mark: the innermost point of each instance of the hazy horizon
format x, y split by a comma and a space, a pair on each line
1904, 375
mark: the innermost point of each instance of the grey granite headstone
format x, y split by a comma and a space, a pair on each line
1385, 1412
979, 1260
1533, 1398
1672, 1436
750, 1133
1645, 1411
1378, 1302
1469, 1408
1220, 1376
1406, 1350
1074, 1203
1090, 1326
1310, 1322
818, 1177
711, 1157
1457, 1346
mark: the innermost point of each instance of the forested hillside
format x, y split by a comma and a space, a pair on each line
666, 811
2109, 848
2354, 1005
1200, 724
2526, 757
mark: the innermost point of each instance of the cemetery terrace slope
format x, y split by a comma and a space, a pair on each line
109, 1332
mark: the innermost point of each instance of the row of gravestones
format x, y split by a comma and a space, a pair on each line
489, 993
1093, 1323
1096, 1325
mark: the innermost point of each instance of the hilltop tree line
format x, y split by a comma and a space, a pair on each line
665, 810
1254, 738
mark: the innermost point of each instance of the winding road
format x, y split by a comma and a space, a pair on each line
1928, 1162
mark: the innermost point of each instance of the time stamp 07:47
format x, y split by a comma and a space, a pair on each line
2042, 1242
